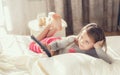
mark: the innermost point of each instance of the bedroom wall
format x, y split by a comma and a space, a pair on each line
21, 12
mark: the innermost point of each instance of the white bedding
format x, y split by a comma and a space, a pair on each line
113, 43
17, 59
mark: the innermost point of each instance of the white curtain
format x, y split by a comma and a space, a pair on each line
76, 13
19, 12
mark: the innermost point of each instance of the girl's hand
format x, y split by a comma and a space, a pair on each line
98, 44
52, 52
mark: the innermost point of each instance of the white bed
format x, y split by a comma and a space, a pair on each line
17, 59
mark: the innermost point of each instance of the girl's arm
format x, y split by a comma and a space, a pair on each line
59, 44
102, 54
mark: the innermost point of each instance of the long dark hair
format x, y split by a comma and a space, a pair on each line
95, 33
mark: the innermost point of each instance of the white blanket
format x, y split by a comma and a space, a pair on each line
113, 43
17, 59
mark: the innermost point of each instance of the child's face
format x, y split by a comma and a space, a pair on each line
85, 42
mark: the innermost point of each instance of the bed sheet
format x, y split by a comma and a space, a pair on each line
113, 44
17, 59
14, 45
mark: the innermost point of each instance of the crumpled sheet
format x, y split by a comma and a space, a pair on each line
17, 59
66, 64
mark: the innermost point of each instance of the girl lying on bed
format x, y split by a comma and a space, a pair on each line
90, 41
